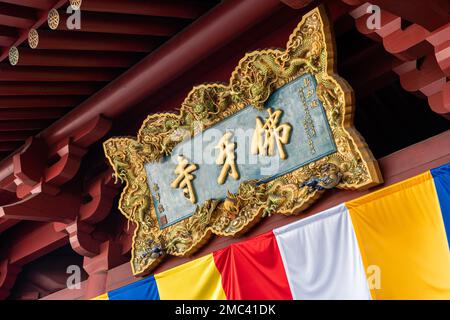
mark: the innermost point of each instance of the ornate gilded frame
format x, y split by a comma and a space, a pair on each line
309, 50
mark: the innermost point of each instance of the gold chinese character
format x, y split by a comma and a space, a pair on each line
265, 136
226, 158
184, 178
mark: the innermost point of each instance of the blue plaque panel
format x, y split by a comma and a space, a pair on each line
310, 140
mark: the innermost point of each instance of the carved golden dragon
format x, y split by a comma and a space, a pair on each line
309, 50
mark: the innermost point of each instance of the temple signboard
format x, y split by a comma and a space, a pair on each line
270, 142
253, 144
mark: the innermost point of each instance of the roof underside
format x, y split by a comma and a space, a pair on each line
68, 66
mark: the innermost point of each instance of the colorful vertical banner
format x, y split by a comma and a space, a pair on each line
196, 280
400, 230
322, 258
253, 270
145, 289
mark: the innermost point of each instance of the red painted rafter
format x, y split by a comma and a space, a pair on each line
17, 16
220, 26
124, 24
30, 113
30, 208
175, 8
67, 58
36, 89
55, 74
14, 136
21, 125
429, 14
37, 102
7, 35
41, 19
64, 40
425, 54
33, 241
6, 224
9, 145
43, 207
37, 4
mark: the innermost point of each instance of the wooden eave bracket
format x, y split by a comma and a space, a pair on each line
413, 44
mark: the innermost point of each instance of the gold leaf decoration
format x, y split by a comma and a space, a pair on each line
309, 50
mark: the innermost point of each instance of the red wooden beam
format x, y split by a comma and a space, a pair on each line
124, 24
81, 240
28, 165
297, 4
32, 241
9, 146
37, 4
64, 40
66, 167
264, 35
429, 14
408, 44
440, 101
43, 207
56, 89
440, 39
425, 54
97, 267
28, 162
15, 136
7, 182
52, 74
7, 35
102, 191
21, 125
31, 113
6, 224
53, 165
426, 77
48, 237
67, 58
176, 8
